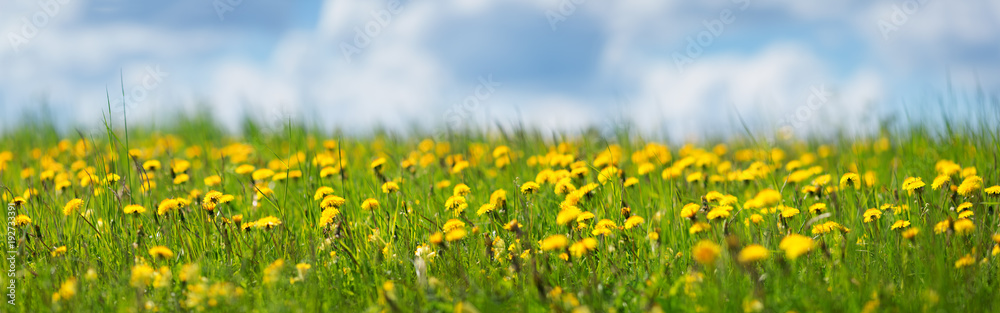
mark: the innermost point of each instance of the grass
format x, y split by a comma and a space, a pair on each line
368, 260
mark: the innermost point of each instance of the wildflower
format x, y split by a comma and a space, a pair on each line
322, 192
180, 179
689, 210
151, 165
453, 224
166, 206
326, 218
377, 164
21, 220
212, 181
910, 233
913, 184
788, 212
939, 181
964, 206
817, 208
634, 221
499, 198
262, 174
756, 218
705, 252
964, 226
720, 212
993, 191
370, 204
796, 245
965, 261
273, 271
332, 201
142, 276
267, 222
111, 178
455, 234
900, 224
456, 204
969, 185
72, 207
59, 251
436, 238
485, 208
461, 190
567, 215
942, 226
161, 252
872, 215
753, 253
699, 227
850, 180
608, 173
529, 188
513, 225
554, 242
244, 169
390, 187
583, 246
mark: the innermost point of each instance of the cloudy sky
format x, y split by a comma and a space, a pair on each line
676, 68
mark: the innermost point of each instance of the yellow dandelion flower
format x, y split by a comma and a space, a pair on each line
753, 253
705, 252
455, 234
796, 245
900, 224
134, 209
913, 184
370, 204
993, 191
689, 210
59, 251
965, 261
529, 188
390, 187
22, 220
567, 215
151, 165
332, 201
245, 169
485, 208
964, 226
970, 185
634, 221
872, 215
554, 242
161, 252
267, 222
72, 207
461, 190
939, 181
699, 227
942, 226
580, 248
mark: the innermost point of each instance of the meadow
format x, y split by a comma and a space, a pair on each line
189, 217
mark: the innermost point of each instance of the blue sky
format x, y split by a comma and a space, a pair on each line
556, 64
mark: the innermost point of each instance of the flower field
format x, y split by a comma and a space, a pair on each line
299, 220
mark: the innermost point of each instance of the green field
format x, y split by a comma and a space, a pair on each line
192, 218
